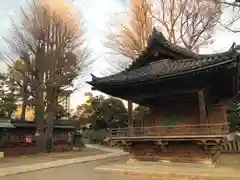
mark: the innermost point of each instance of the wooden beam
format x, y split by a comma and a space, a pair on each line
202, 108
163, 94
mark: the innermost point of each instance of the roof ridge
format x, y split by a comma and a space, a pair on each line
173, 50
158, 35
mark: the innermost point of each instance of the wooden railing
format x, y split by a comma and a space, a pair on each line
181, 130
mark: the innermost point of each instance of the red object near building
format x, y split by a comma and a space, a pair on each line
28, 139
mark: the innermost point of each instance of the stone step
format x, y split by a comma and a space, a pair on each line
135, 162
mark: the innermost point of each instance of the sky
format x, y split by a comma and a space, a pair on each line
98, 14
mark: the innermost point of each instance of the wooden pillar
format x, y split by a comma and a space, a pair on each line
130, 114
153, 116
202, 108
224, 114
218, 115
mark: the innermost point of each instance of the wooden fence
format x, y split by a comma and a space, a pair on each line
178, 130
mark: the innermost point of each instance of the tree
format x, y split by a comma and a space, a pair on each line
189, 23
139, 114
102, 112
114, 113
232, 9
14, 77
183, 22
61, 112
8, 97
132, 37
50, 40
88, 112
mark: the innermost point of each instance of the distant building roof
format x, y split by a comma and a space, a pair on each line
64, 127
6, 123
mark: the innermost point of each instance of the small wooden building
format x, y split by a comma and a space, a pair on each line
18, 137
185, 92
62, 135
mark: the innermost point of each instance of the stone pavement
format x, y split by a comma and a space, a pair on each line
103, 148
63, 162
46, 157
80, 171
173, 170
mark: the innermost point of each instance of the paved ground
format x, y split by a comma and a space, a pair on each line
174, 170
85, 171
23, 168
82, 171
85, 168
41, 158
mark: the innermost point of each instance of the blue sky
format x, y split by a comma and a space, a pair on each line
98, 13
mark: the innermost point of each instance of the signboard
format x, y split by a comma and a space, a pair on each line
28, 139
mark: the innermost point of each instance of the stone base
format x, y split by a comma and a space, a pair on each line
169, 158
1, 155
135, 162
174, 152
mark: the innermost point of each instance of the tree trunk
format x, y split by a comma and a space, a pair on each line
39, 109
24, 103
39, 119
24, 107
25, 98
50, 117
51, 112
130, 114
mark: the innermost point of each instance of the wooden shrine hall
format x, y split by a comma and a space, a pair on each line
19, 137
186, 93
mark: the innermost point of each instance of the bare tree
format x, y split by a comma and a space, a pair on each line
231, 10
189, 23
132, 37
51, 42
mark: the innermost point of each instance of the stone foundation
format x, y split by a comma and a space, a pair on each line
173, 152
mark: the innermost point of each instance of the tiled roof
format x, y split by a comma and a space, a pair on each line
5, 123
159, 37
171, 60
166, 68
171, 51
174, 51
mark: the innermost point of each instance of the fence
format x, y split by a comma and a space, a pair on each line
18, 145
92, 136
178, 130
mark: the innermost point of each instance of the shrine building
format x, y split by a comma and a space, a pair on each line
186, 93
